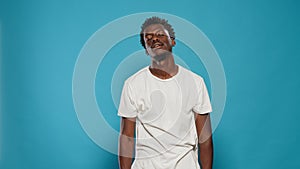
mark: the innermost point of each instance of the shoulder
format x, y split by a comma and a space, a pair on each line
188, 73
137, 77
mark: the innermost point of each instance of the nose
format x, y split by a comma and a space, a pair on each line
155, 38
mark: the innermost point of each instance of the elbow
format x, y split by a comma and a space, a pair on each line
205, 140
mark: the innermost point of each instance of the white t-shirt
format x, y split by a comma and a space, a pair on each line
166, 135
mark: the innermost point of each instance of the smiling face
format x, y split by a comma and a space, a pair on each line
157, 41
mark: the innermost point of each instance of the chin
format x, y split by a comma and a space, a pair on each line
160, 54
160, 57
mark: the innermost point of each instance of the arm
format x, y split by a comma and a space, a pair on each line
126, 142
204, 132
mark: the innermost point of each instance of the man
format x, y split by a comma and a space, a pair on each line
166, 107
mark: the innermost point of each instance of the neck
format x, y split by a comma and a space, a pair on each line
167, 65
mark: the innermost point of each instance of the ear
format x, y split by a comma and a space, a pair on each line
173, 42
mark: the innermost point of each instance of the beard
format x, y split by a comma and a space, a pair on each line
161, 55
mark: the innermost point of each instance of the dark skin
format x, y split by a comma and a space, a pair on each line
126, 142
204, 132
159, 46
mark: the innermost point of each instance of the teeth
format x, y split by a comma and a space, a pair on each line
157, 45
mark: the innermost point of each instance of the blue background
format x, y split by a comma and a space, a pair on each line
257, 41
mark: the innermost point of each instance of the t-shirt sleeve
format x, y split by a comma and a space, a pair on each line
127, 106
203, 105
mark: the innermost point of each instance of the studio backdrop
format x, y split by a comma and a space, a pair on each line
63, 65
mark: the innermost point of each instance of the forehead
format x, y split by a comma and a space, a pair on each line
154, 28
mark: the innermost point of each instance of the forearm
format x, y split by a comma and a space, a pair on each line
126, 147
206, 154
